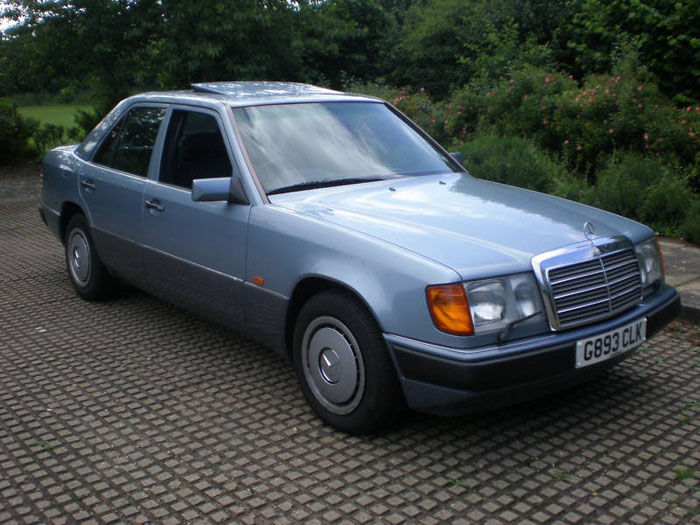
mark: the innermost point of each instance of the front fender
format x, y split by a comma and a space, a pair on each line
285, 247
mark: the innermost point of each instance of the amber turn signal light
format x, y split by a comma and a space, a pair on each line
449, 309
661, 256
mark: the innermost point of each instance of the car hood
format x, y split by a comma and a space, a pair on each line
476, 227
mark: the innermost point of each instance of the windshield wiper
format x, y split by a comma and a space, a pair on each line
311, 184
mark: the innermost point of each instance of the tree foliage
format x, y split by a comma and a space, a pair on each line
114, 47
666, 33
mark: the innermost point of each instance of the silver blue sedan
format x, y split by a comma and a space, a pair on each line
330, 228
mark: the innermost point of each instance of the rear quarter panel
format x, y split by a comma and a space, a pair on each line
59, 184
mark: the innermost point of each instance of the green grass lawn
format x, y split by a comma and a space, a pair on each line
59, 114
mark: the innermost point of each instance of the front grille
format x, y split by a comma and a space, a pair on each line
595, 289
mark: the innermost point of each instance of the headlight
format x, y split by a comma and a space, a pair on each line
496, 303
651, 262
488, 305
488, 301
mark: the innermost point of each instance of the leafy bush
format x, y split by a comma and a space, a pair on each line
611, 114
522, 105
14, 133
48, 136
584, 126
691, 227
644, 189
510, 160
571, 187
666, 205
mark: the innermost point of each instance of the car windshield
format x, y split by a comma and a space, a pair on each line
300, 146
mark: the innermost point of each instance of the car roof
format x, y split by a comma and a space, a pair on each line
249, 93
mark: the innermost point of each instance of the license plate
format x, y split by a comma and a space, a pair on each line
615, 342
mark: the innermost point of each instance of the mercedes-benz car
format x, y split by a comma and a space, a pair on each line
330, 228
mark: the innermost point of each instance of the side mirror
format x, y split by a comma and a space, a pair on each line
219, 189
457, 156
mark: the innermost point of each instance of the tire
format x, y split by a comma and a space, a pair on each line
90, 279
343, 366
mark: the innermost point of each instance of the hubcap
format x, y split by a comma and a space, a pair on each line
333, 365
78, 251
330, 365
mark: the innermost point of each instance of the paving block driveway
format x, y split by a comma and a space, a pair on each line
133, 411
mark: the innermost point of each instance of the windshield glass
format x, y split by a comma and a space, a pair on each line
293, 146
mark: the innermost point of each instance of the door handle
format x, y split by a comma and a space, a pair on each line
153, 205
88, 184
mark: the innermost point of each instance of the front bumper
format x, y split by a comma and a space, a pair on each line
451, 382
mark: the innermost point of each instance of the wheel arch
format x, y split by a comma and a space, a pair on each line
307, 288
68, 210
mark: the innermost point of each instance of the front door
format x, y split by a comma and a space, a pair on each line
194, 252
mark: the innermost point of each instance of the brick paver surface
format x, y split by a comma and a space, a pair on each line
136, 411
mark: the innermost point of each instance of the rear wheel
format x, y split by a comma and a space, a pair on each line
343, 365
91, 280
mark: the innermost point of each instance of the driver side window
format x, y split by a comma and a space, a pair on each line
194, 150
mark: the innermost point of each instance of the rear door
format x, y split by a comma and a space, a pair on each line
112, 184
195, 251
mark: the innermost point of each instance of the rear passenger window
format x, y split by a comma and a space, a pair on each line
129, 145
194, 150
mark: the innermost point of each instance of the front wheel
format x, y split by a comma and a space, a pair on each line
90, 279
343, 365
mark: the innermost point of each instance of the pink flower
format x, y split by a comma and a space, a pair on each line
545, 122
579, 148
691, 134
566, 141
646, 136
611, 130
617, 79
688, 108
446, 121
639, 106
590, 100
639, 88
546, 79
614, 94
